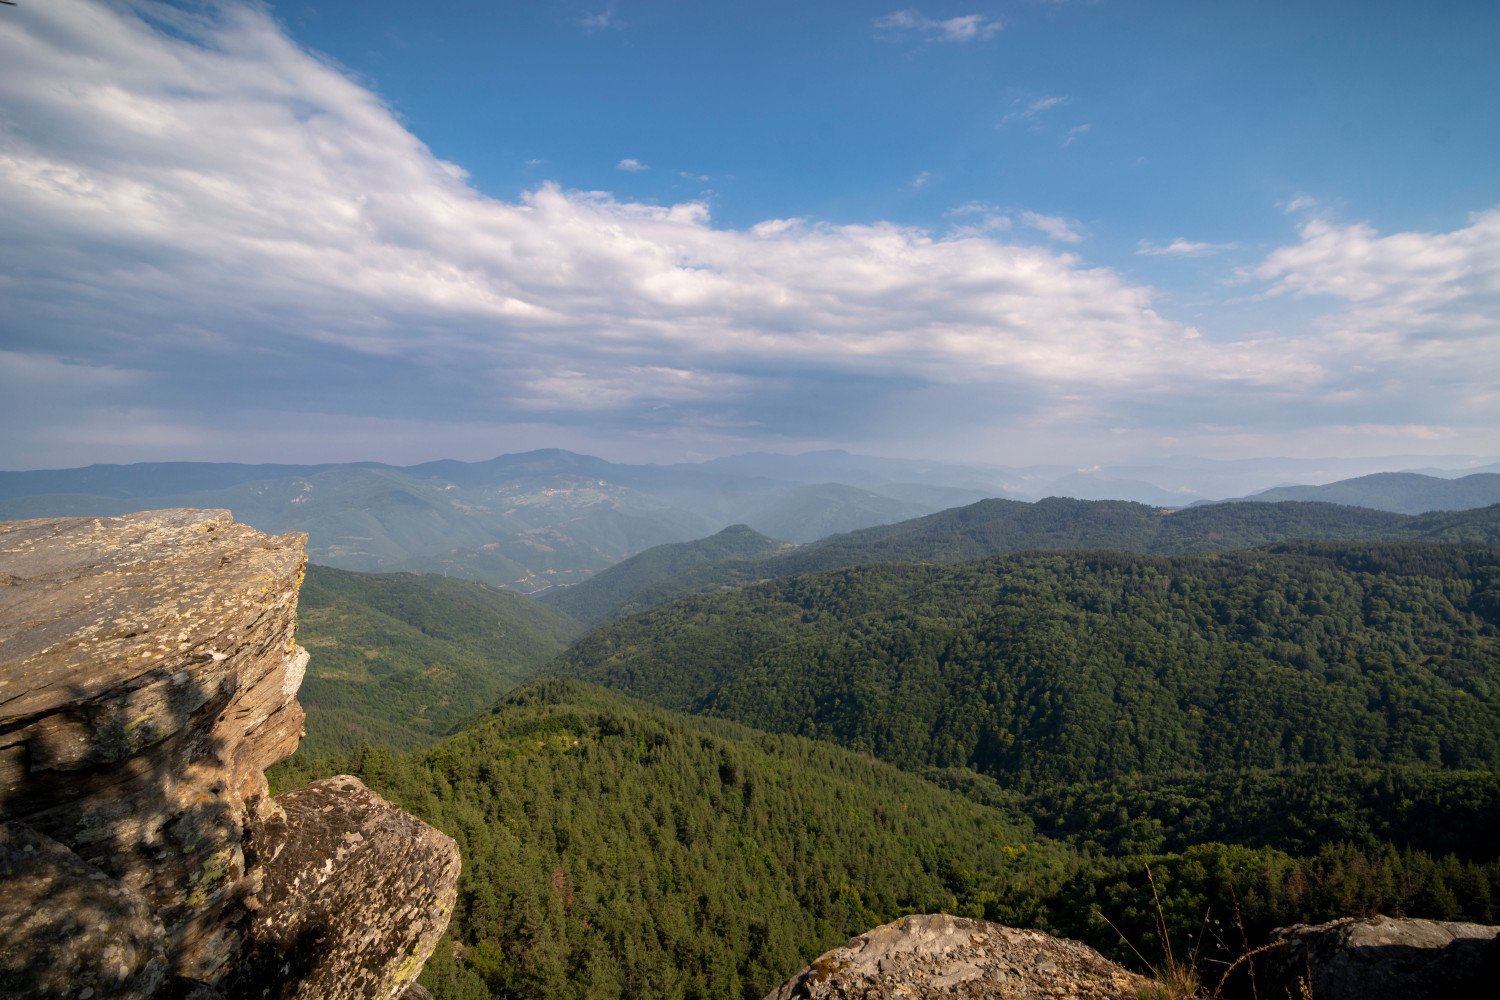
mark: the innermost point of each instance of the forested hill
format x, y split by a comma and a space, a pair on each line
401, 659
1062, 667
605, 594
991, 527
612, 849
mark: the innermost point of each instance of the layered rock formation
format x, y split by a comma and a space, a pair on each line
935, 955
148, 673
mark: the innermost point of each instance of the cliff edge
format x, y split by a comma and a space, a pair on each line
148, 677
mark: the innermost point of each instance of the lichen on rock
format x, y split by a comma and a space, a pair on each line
355, 896
937, 955
148, 677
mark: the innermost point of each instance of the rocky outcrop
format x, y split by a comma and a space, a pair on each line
936, 955
1381, 958
148, 676
339, 850
66, 927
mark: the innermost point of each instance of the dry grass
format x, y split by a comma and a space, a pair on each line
1178, 979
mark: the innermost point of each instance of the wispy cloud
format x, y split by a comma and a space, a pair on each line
609, 17
1025, 109
1181, 248
1416, 315
979, 217
221, 217
1075, 133
1410, 282
922, 179
631, 165
1053, 227
965, 28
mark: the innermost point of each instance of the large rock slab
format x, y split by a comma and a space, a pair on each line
355, 896
148, 676
1382, 958
936, 955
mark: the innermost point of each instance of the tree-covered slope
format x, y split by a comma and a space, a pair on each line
606, 594
1063, 667
612, 849
992, 527
401, 659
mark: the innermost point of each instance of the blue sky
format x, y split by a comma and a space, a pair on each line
1085, 232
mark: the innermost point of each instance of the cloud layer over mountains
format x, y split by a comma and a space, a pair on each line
210, 230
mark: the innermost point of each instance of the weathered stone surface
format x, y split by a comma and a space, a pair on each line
355, 896
66, 927
148, 673
148, 676
936, 955
1382, 958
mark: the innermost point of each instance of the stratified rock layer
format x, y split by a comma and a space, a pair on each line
1382, 958
148, 676
935, 955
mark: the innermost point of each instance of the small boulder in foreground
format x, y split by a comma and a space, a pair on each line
956, 958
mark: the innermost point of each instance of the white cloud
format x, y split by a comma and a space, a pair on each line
1300, 203
1425, 300
1052, 226
222, 213
1025, 109
266, 177
965, 28
921, 180
1180, 247
1075, 133
1411, 275
631, 165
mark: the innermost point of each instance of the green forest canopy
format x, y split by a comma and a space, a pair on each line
993, 527
402, 659
1289, 734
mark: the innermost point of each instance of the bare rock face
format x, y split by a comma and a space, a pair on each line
148, 676
66, 927
1382, 958
148, 673
350, 884
936, 955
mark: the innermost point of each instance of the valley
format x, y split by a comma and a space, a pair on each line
1028, 713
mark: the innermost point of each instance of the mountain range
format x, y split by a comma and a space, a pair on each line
738, 555
1402, 492
541, 519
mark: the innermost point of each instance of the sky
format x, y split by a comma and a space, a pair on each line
1037, 231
